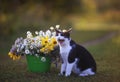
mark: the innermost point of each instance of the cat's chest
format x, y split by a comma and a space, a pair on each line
64, 52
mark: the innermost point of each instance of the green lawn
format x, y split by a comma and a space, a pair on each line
108, 58
106, 55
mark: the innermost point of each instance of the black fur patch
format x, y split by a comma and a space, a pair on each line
85, 58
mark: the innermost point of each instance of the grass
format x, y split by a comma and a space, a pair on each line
84, 36
106, 55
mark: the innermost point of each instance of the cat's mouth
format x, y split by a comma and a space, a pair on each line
61, 41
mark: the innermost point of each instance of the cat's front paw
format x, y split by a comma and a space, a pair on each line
61, 74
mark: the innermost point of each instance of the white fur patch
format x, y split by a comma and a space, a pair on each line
87, 72
75, 69
64, 51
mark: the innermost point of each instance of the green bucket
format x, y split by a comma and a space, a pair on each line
38, 64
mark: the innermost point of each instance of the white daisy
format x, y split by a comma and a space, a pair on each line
41, 33
31, 47
36, 55
51, 28
28, 32
48, 33
27, 51
36, 32
57, 26
43, 59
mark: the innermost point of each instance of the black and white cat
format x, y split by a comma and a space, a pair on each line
75, 58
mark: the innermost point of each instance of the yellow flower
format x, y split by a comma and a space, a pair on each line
10, 54
48, 44
13, 56
42, 49
44, 40
53, 41
49, 47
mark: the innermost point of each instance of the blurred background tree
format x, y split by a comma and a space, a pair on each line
15, 14
19, 14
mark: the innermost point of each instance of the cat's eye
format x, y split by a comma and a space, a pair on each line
62, 34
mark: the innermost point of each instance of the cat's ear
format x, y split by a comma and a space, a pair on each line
57, 30
70, 29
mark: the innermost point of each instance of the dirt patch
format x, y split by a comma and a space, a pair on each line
100, 39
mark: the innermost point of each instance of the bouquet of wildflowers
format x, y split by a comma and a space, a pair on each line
40, 42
